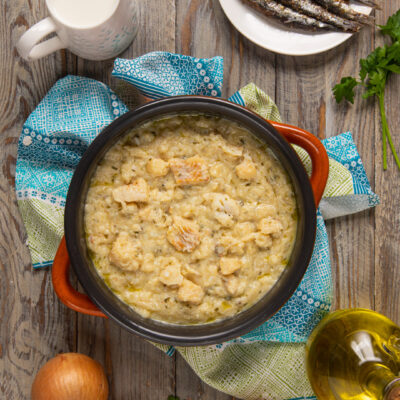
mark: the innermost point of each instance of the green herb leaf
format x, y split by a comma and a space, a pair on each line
345, 89
376, 83
394, 68
374, 71
393, 53
392, 27
377, 59
173, 398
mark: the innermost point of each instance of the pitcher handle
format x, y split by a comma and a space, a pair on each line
28, 45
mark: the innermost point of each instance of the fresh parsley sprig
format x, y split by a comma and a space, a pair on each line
374, 73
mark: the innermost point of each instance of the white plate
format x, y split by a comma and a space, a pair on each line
273, 35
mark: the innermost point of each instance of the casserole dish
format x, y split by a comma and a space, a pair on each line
102, 302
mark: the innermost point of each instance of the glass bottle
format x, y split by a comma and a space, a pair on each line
355, 355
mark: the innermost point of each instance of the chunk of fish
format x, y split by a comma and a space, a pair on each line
191, 273
148, 264
287, 15
184, 234
189, 292
246, 169
137, 191
226, 210
171, 273
190, 171
228, 265
229, 244
343, 9
308, 7
157, 167
128, 171
125, 253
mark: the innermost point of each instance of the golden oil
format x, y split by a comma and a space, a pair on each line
354, 355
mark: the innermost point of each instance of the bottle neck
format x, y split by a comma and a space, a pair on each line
392, 390
382, 383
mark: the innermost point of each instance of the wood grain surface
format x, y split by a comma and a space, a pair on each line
365, 254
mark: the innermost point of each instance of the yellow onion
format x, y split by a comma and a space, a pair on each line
70, 376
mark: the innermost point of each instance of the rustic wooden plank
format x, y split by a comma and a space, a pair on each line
387, 233
204, 31
353, 265
34, 325
300, 86
305, 99
135, 368
143, 371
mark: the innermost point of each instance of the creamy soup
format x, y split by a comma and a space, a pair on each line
190, 219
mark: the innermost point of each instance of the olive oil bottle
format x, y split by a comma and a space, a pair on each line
355, 355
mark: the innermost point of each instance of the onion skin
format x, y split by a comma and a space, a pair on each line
70, 376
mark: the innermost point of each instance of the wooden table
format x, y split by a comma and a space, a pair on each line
34, 326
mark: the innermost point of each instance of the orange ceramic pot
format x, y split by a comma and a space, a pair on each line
100, 300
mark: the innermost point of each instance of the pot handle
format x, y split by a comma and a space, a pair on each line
315, 149
66, 293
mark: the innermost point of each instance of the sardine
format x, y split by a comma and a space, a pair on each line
343, 9
287, 15
311, 9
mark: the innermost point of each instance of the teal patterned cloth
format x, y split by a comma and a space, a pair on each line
53, 139
75, 111
160, 74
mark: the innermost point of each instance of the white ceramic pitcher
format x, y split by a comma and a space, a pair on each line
91, 29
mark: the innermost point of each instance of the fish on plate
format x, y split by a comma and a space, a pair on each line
336, 15
286, 14
310, 8
343, 9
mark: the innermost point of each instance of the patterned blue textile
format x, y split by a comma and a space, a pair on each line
160, 74
342, 149
57, 133
53, 139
